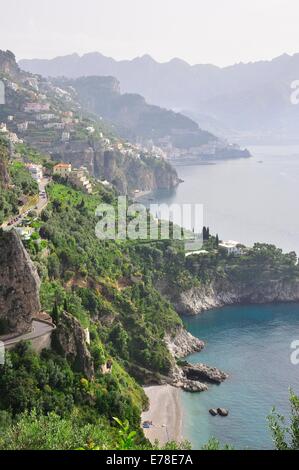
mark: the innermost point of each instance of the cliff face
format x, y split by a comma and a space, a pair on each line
219, 294
128, 174
8, 64
19, 286
70, 341
4, 176
183, 343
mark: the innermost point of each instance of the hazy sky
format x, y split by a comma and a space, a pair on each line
200, 31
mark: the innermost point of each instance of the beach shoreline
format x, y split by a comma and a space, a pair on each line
166, 414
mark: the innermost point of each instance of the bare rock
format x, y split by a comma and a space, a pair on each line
193, 386
70, 341
19, 286
204, 373
182, 343
222, 412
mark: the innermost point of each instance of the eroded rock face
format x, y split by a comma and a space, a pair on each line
204, 373
19, 286
70, 341
219, 294
183, 343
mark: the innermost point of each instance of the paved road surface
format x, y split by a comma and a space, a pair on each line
39, 207
38, 329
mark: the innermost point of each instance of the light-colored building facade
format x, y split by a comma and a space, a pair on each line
79, 178
62, 169
36, 171
232, 247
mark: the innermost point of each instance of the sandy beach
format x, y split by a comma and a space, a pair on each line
165, 412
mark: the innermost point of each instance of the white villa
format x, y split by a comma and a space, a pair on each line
232, 247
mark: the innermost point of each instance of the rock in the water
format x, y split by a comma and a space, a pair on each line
70, 340
192, 386
19, 286
213, 412
222, 412
204, 373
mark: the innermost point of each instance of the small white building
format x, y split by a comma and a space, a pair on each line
65, 136
232, 247
36, 171
36, 107
3, 128
25, 232
22, 126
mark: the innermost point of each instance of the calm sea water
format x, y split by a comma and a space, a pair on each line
246, 200
251, 344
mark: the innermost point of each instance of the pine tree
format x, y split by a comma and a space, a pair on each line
217, 240
55, 313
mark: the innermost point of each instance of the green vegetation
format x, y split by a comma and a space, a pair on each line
46, 384
100, 282
21, 185
113, 289
286, 436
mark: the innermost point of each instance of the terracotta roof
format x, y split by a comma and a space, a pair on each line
62, 165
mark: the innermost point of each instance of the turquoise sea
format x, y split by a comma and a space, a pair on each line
255, 199
253, 345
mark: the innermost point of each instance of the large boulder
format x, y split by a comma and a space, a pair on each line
69, 340
204, 373
19, 286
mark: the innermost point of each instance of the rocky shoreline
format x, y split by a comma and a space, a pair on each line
219, 294
190, 377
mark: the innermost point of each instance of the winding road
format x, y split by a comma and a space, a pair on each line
39, 329
39, 207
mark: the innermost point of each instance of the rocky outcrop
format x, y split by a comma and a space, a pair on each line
8, 64
182, 343
196, 377
69, 340
219, 294
204, 373
190, 378
4, 176
19, 286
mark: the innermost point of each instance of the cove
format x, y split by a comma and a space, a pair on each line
253, 345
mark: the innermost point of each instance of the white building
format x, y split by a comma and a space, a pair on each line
3, 128
45, 117
36, 171
65, 136
78, 177
25, 232
36, 107
22, 126
232, 247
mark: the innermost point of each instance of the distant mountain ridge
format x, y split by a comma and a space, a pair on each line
133, 117
249, 99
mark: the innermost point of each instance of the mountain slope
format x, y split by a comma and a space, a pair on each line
52, 120
244, 98
133, 117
